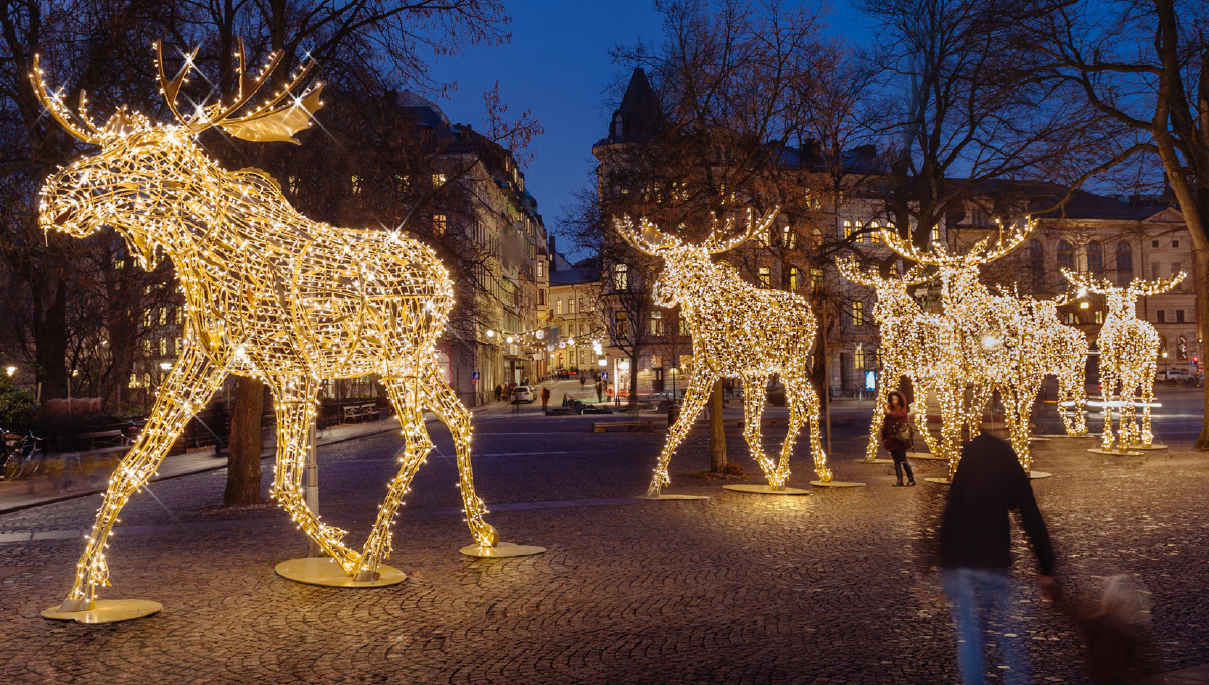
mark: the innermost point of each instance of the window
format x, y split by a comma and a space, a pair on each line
1162, 316
684, 326
621, 277
765, 238
1154, 269
438, 224
847, 229
874, 236
656, 323
438, 180
1163, 346
356, 182
1095, 258
816, 279
1066, 255
621, 329
1181, 348
146, 380
163, 315
179, 348
541, 296
147, 347
292, 183
147, 319
558, 306
765, 277
583, 328
1124, 263
570, 305
1175, 243
1071, 319
1099, 316
134, 380
119, 263
1036, 262
791, 279
1176, 267
1154, 243
541, 268
1179, 316
934, 236
858, 358
858, 313
789, 239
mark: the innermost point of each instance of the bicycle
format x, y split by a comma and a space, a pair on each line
19, 456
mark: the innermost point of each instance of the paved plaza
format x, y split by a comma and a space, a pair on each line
827, 588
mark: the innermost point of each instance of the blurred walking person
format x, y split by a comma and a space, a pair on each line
975, 554
897, 435
1120, 647
545, 398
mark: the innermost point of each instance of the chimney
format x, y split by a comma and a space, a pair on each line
553, 251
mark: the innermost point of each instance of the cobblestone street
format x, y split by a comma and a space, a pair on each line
735, 589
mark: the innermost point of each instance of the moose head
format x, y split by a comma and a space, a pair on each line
1120, 301
893, 299
959, 272
688, 266
150, 180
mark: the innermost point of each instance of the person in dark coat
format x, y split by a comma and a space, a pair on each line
975, 554
896, 415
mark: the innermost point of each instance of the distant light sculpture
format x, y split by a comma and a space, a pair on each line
268, 294
1129, 350
738, 331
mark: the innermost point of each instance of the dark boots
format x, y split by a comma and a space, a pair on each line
899, 467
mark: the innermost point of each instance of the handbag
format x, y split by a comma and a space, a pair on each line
905, 433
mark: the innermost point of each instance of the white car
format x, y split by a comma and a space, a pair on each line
1173, 375
522, 393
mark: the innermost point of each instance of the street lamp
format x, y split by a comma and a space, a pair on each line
165, 366
490, 333
10, 370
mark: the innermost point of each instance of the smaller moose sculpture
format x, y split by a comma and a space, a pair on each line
1129, 350
740, 331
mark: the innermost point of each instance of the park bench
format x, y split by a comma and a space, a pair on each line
631, 426
355, 413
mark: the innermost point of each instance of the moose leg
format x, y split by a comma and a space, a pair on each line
922, 392
1147, 436
441, 400
295, 408
887, 382
695, 397
753, 410
406, 394
1108, 386
980, 399
949, 394
804, 405
185, 392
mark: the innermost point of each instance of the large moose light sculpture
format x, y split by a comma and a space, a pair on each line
740, 331
268, 293
1129, 350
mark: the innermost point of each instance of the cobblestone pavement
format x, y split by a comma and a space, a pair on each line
736, 589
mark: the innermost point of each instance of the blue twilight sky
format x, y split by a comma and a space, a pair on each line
558, 66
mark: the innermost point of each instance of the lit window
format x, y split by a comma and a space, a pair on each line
179, 347
935, 235
570, 305
146, 380
875, 233
180, 315
134, 380
1099, 316
656, 323
791, 279
163, 347
1066, 255
683, 325
439, 222
558, 307
1181, 348
541, 268
858, 358
847, 229
147, 347
163, 315
621, 277
292, 184
621, 330
438, 180
147, 318
119, 263
765, 277
788, 238
356, 180
858, 313
816, 279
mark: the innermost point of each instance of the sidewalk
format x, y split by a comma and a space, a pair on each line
16, 495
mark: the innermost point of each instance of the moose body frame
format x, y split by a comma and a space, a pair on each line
738, 331
268, 293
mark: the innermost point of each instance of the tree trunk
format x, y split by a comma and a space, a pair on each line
244, 446
50, 336
717, 434
634, 379
1201, 258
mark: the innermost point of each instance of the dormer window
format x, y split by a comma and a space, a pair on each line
618, 126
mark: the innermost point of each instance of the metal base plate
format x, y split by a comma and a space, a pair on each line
1038, 438
765, 489
1033, 475
662, 496
924, 455
1114, 453
836, 484
942, 481
1151, 446
501, 549
107, 611
875, 461
326, 572
1063, 435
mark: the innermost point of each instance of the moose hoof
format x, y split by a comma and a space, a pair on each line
502, 549
102, 610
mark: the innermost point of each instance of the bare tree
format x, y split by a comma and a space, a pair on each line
1145, 65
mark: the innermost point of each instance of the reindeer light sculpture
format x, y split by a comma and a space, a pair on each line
1129, 350
914, 344
268, 293
1062, 350
740, 331
996, 347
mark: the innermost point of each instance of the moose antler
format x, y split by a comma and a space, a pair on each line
85, 130
851, 270
940, 256
715, 244
1156, 287
267, 122
645, 241
1088, 282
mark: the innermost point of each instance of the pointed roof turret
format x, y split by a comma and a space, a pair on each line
638, 114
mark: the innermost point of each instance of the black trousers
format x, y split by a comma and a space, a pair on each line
901, 464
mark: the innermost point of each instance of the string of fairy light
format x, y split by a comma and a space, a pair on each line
1129, 351
738, 331
268, 293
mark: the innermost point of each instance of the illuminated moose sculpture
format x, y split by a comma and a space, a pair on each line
738, 330
268, 293
1063, 351
1129, 350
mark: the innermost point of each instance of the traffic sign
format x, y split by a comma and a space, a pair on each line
474, 376
604, 375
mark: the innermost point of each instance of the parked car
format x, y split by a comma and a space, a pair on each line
522, 393
1173, 375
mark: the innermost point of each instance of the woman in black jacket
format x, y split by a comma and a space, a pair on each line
896, 415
